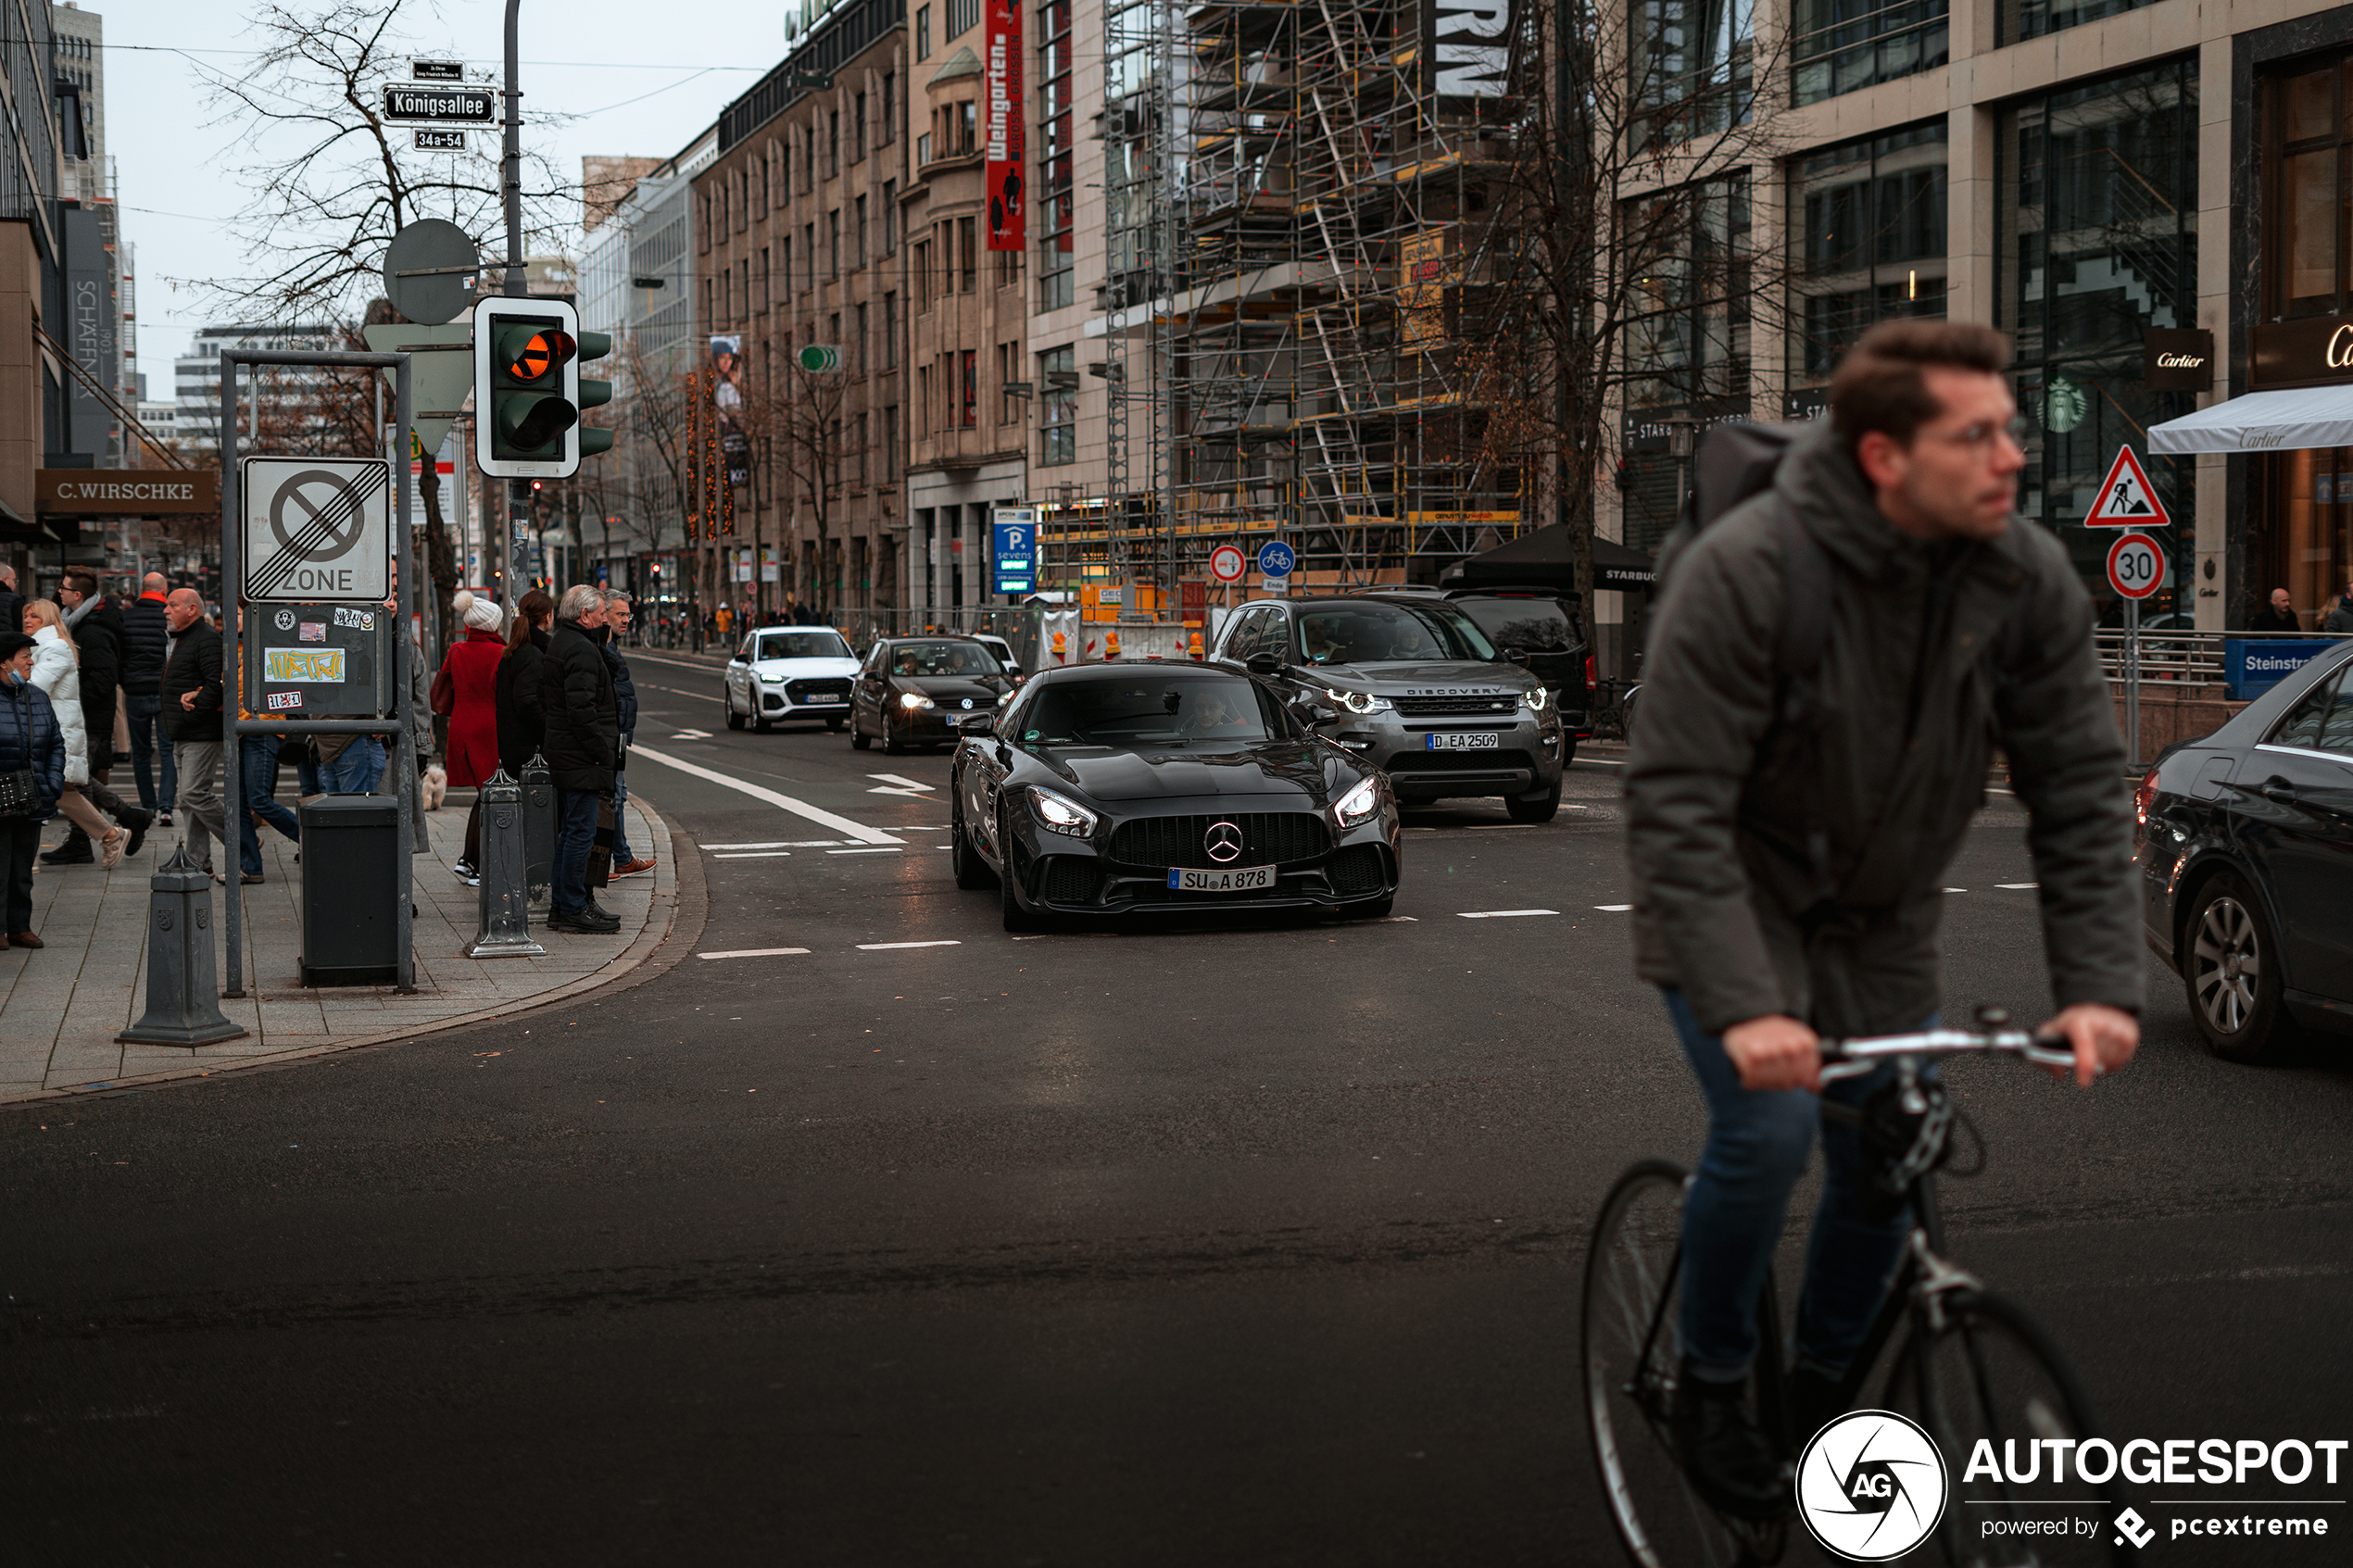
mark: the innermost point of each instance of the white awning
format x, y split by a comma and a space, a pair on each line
2262, 422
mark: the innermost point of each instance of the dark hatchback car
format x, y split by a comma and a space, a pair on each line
1548, 628
1124, 789
2244, 844
912, 691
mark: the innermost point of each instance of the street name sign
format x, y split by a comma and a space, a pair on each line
2135, 566
441, 140
437, 71
316, 527
2126, 497
470, 105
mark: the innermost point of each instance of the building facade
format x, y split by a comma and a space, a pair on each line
32, 389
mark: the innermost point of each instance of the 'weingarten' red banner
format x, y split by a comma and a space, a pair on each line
1001, 125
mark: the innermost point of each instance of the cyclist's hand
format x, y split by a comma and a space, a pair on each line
2104, 1038
1775, 1052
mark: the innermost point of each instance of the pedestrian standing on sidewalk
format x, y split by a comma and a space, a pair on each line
191, 714
29, 738
146, 643
93, 625
54, 673
469, 682
11, 602
618, 610
522, 723
582, 747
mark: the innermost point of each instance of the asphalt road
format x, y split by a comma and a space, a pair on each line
928, 1245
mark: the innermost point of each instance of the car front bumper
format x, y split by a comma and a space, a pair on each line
1067, 876
1527, 755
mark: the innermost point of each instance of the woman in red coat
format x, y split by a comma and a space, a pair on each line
472, 750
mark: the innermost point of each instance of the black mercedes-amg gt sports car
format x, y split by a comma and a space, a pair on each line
1117, 789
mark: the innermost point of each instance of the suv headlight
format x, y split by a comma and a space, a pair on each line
1537, 701
772, 680
913, 699
1356, 702
1058, 813
1358, 804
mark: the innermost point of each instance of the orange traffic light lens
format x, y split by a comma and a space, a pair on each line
543, 353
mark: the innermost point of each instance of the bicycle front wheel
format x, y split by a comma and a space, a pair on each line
1990, 1377
1632, 1356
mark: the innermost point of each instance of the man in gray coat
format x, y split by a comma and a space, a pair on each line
1788, 870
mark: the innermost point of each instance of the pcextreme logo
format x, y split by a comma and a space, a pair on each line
1871, 1486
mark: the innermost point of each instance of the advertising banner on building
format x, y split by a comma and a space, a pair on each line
1470, 47
1001, 137
1421, 287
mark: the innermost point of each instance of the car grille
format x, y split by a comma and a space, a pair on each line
1442, 706
1072, 879
1411, 762
1268, 838
804, 693
1356, 869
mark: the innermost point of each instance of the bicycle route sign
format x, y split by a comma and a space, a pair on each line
1276, 559
317, 528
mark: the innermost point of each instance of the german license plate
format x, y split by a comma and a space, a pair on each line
1244, 880
826, 694
1462, 740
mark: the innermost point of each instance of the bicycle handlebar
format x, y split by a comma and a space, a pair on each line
1852, 1059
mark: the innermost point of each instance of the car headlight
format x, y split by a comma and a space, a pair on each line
1358, 804
913, 699
1537, 701
1059, 814
1356, 702
772, 680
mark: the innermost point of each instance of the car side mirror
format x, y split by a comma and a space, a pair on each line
976, 724
1014, 671
1262, 664
1517, 655
737, 658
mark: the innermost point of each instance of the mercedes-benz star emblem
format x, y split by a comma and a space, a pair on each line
1223, 842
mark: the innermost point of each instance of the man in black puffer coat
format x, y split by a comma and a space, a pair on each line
146, 643
99, 638
29, 738
582, 748
522, 723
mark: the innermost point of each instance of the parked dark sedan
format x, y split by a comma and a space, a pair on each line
1119, 789
2244, 844
912, 691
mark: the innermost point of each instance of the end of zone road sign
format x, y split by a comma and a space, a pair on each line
316, 527
2126, 499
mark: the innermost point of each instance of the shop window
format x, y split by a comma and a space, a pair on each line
1868, 238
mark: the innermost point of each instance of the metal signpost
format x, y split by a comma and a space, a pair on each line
324, 542
2136, 569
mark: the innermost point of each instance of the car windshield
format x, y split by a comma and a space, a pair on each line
943, 658
1148, 708
801, 645
1530, 625
1368, 633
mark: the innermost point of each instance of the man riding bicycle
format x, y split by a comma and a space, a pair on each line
1789, 832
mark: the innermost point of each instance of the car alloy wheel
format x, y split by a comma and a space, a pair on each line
734, 720
971, 871
859, 739
890, 742
2231, 972
1009, 903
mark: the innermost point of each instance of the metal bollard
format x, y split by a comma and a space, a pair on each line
183, 999
506, 909
538, 827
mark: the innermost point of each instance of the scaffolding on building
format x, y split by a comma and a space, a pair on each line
1303, 364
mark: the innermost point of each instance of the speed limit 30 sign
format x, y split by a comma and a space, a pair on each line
2135, 566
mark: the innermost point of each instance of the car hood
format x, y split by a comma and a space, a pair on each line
1438, 678
805, 669
1305, 769
950, 688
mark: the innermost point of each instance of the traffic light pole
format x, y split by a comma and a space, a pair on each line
510, 165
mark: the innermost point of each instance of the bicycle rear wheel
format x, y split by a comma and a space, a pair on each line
1991, 1375
1632, 1356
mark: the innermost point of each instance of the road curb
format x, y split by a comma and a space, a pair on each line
682, 912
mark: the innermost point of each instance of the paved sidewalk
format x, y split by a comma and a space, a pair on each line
62, 1005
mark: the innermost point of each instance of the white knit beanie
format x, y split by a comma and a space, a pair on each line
481, 614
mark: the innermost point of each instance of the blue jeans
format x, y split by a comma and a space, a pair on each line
575, 835
1757, 1147
356, 771
258, 776
621, 855
147, 743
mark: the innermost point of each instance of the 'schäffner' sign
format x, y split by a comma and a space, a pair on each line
126, 493
466, 103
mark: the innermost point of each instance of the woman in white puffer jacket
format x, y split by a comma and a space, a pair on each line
55, 670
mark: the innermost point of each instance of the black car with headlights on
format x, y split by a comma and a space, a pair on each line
2245, 842
913, 691
1411, 685
1122, 789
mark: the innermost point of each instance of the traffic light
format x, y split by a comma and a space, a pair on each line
528, 393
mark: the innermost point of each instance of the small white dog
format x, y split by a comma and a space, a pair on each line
435, 787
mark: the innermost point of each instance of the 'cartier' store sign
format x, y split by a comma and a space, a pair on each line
2177, 360
2317, 351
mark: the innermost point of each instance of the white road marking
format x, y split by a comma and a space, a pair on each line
754, 953
675, 691
890, 851
2019, 887
894, 779
1595, 762
892, 946
1613, 908
1498, 827
1502, 914
893, 789
1957, 890
756, 855
780, 843
857, 831
692, 735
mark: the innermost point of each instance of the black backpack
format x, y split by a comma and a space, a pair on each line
1736, 461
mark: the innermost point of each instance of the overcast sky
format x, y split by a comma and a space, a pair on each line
642, 79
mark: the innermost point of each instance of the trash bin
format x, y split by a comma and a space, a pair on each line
352, 881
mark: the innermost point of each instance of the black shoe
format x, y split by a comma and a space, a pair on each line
466, 871
138, 821
1726, 1456
74, 851
581, 925
597, 911
1816, 1399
